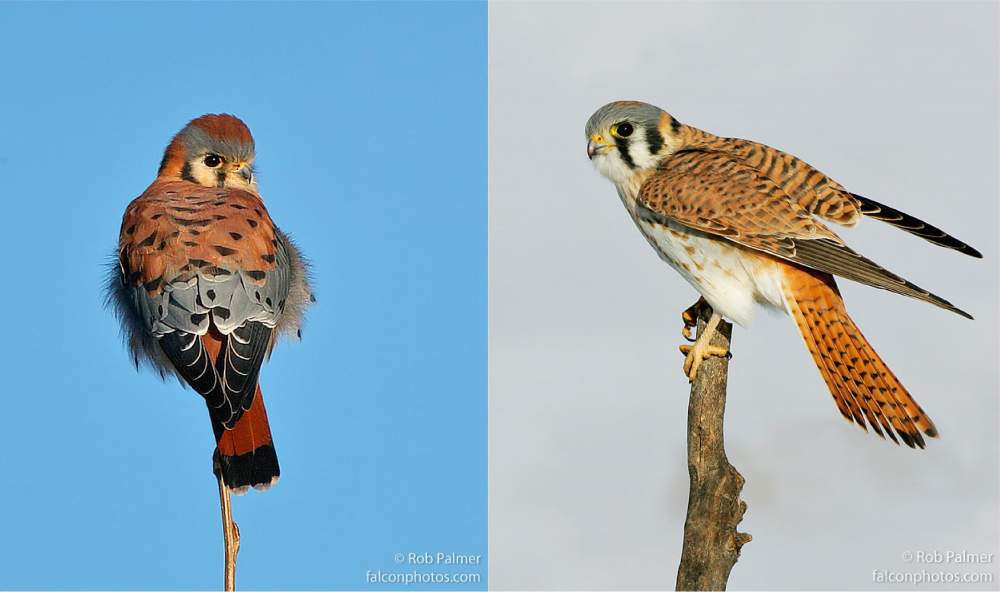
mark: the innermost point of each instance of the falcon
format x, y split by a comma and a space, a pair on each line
204, 284
744, 224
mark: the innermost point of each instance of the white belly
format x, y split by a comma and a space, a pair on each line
732, 279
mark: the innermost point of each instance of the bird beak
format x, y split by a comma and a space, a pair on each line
245, 171
596, 146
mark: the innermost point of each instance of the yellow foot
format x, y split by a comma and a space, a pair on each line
690, 318
695, 354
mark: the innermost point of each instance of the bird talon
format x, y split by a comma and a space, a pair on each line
690, 318
695, 354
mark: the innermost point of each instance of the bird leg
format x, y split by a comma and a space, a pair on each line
696, 353
230, 534
690, 317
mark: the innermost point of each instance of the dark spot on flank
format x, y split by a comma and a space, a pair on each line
222, 313
268, 301
148, 241
252, 223
198, 317
257, 275
312, 298
268, 258
152, 284
256, 294
224, 251
236, 235
210, 294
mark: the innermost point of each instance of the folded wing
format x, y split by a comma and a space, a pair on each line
719, 194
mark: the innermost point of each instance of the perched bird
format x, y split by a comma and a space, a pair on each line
742, 223
204, 284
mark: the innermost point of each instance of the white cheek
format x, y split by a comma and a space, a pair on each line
639, 151
240, 183
203, 175
613, 167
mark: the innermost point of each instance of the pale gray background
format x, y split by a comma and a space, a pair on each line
588, 483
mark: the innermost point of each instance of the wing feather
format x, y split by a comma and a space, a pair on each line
197, 260
913, 225
715, 193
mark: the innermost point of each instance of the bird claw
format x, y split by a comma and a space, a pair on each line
695, 354
690, 318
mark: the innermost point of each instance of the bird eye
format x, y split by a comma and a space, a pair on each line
213, 160
623, 130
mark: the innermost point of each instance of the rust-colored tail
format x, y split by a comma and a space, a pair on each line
245, 454
861, 384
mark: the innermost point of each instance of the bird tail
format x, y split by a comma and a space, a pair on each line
245, 455
861, 384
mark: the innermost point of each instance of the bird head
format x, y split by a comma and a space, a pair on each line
629, 137
212, 151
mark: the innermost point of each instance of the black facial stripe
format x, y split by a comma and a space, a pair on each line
622, 144
674, 124
220, 178
654, 138
186, 172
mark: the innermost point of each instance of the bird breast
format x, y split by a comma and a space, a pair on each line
732, 278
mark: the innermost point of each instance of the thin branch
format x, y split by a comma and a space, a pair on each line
711, 542
231, 535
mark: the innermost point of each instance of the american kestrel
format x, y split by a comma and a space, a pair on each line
741, 222
205, 283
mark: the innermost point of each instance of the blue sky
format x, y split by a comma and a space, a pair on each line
370, 122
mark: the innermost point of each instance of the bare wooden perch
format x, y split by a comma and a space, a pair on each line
230, 535
711, 542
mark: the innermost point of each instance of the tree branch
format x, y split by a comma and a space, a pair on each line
230, 535
711, 542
